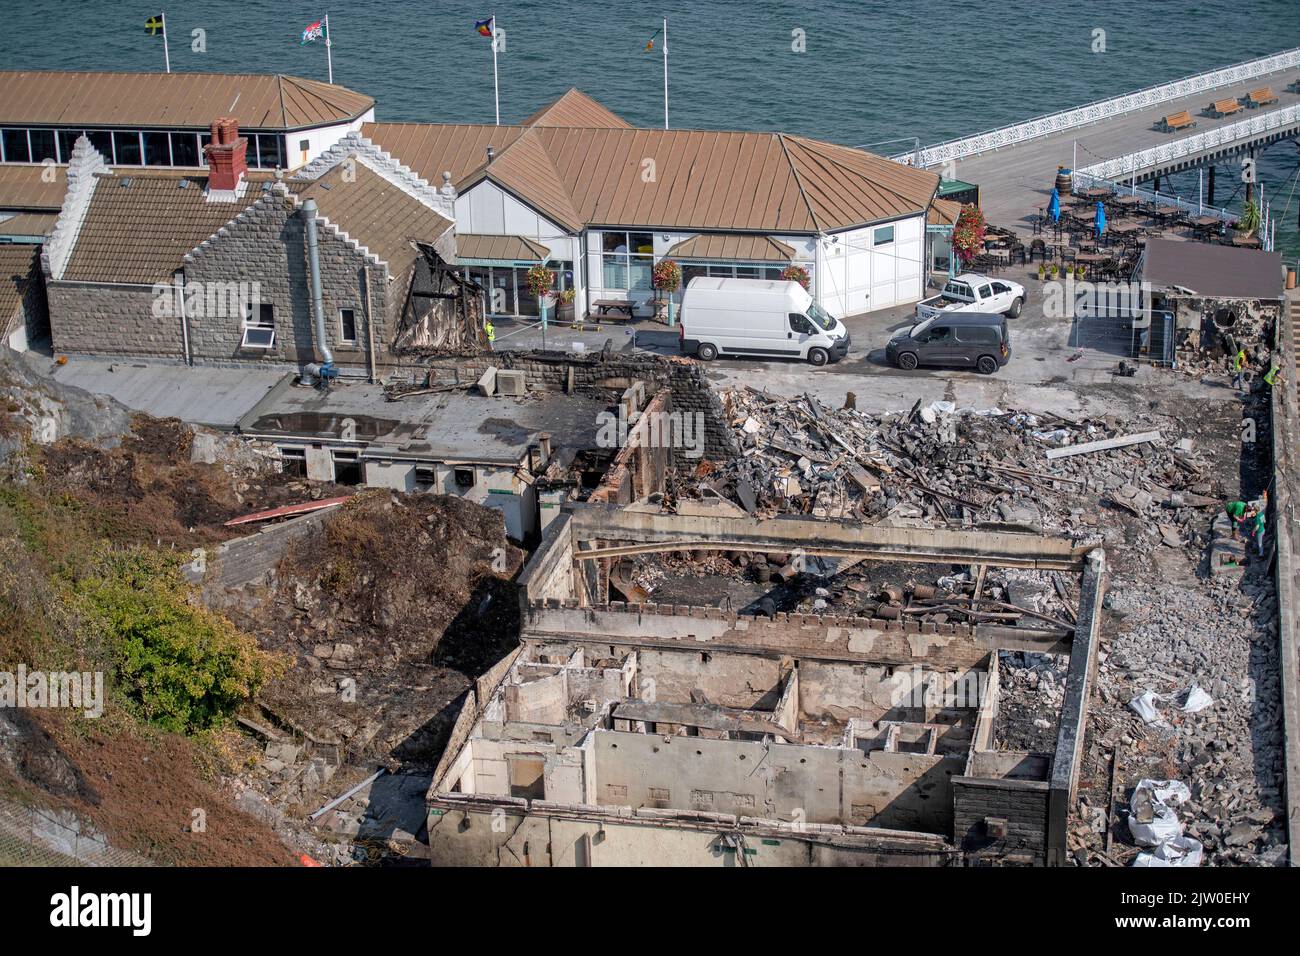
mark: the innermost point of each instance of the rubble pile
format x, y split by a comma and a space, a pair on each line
945, 465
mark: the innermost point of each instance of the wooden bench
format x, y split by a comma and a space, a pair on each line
1175, 121
1263, 96
606, 307
1223, 107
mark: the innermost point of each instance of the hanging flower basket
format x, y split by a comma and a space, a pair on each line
799, 274
666, 277
540, 281
968, 234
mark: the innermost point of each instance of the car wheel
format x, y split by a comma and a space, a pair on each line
818, 356
1016, 306
987, 365
907, 361
707, 351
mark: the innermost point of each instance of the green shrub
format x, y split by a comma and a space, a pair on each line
182, 666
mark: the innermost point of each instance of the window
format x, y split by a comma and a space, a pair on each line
940, 334
883, 236
14, 143
102, 140
42, 141
185, 149
67, 141
157, 149
627, 260
800, 324
348, 325
347, 468
293, 462
985, 291
126, 149
266, 150
259, 326
426, 476
464, 477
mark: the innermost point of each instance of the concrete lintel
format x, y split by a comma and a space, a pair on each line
1074, 708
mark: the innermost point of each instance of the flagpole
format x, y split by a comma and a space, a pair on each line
496, 86
665, 72
167, 57
329, 57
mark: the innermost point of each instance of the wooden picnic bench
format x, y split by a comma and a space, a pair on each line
606, 307
1261, 97
1176, 121
1223, 107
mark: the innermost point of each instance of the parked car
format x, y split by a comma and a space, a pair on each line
961, 340
760, 317
974, 293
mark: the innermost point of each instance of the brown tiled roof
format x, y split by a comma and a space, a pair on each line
943, 212
499, 248
138, 228
161, 100
740, 248
29, 224
375, 213
576, 108
32, 188
18, 262
669, 179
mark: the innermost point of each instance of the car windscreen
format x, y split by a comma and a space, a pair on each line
920, 327
821, 318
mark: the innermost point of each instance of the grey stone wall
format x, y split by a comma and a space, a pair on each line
111, 320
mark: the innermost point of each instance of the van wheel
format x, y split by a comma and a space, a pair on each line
1016, 306
907, 361
818, 356
987, 365
707, 352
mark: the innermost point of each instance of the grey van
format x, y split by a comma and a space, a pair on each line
961, 340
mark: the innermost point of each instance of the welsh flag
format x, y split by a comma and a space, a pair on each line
313, 32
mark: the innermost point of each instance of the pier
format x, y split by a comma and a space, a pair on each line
1121, 140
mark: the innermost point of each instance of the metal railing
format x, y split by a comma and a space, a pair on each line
1084, 179
1097, 110
1122, 167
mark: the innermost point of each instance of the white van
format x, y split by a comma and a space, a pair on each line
760, 317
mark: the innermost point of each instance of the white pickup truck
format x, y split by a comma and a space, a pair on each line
974, 293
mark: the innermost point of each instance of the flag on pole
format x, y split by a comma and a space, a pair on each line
486, 28
154, 25
313, 32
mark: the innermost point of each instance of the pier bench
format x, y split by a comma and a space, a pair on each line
611, 308
1176, 121
1223, 107
1263, 96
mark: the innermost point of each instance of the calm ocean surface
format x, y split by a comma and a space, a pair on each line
872, 71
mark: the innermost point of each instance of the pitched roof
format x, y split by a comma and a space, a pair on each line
18, 262
576, 108
138, 228
668, 179
499, 248
1213, 270
259, 101
733, 247
374, 212
32, 187
943, 212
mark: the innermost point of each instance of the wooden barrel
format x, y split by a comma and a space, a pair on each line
1064, 181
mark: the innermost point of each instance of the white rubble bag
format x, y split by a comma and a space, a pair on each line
1180, 851
1152, 819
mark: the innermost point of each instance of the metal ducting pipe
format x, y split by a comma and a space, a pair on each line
327, 369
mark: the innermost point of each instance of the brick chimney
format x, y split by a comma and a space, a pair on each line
227, 161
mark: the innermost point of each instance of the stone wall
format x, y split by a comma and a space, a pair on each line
86, 318
1022, 804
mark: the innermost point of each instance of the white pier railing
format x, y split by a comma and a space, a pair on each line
1094, 112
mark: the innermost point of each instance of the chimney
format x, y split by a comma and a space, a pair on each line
227, 161
491, 153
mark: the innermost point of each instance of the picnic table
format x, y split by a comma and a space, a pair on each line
604, 307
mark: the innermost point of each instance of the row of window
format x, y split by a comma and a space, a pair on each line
259, 327
348, 470
131, 147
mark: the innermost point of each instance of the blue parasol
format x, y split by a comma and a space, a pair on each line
1101, 219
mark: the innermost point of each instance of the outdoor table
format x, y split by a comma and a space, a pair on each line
1246, 242
1127, 200
1096, 192
1088, 212
1090, 260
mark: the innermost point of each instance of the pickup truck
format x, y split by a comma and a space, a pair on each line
974, 293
